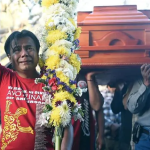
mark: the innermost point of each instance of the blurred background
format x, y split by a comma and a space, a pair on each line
25, 14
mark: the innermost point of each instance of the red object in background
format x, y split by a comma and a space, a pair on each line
53, 84
52, 81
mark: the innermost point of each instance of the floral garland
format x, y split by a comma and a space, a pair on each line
59, 64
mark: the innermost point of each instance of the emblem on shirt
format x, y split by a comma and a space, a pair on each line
12, 125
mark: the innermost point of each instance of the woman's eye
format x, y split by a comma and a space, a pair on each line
30, 48
16, 49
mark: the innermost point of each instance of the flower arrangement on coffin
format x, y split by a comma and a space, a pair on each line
59, 65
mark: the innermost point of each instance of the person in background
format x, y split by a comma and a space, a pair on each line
84, 132
21, 99
121, 90
112, 121
138, 102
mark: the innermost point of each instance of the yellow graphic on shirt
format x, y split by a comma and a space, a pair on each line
12, 125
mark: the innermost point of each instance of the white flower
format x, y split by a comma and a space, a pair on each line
64, 25
67, 72
43, 47
76, 114
65, 114
59, 20
58, 9
43, 119
63, 42
41, 33
72, 4
65, 1
49, 53
78, 58
78, 92
71, 38
47, 98
84, 90
75, 72
67, 69
36, 80
51, 24
66, 48
77, 106
79, 117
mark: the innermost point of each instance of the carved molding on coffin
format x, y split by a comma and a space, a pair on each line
112, 38
147, 53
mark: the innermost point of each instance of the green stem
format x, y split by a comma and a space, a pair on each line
57, 142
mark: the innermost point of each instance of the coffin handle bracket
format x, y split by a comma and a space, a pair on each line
147, 53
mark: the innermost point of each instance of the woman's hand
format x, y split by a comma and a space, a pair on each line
91, 75
99, 142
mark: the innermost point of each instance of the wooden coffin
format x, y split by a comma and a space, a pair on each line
114, 36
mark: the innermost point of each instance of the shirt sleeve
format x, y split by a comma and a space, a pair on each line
137, 97
3, 73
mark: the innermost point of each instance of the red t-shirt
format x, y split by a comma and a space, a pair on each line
82, 141
77, 134
20, 103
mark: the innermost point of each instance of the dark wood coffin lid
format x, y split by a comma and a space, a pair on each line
114, 36
114, 15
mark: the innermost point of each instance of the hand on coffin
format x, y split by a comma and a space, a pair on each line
91, 75
145, 71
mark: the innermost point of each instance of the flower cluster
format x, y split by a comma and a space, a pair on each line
59, 64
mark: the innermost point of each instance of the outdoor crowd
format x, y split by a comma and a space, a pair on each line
116, 116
